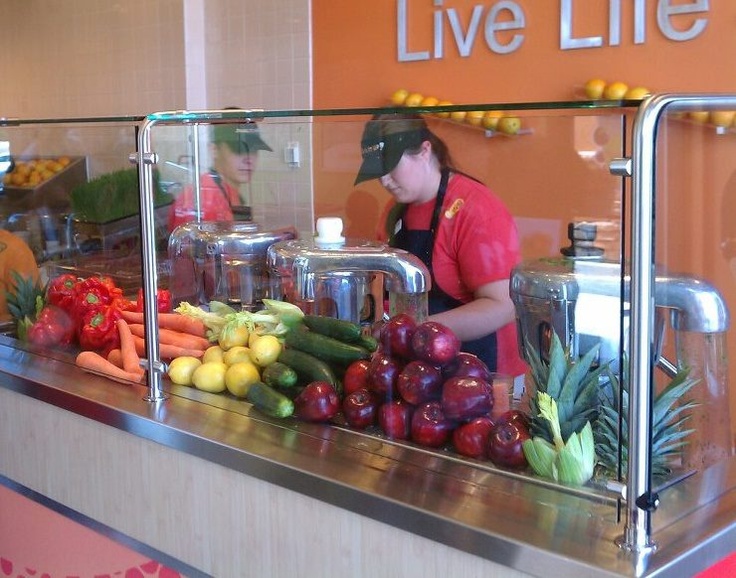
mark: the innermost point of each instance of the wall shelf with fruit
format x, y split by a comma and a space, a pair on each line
493, 122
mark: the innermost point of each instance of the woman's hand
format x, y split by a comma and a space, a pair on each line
491, 309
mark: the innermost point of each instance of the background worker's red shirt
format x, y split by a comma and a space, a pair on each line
215, 202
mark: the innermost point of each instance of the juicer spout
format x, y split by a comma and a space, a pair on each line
404, 272
695, 305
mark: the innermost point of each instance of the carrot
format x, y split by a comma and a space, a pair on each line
173, 321
115, 357
95, 363
166, 350
130, 358
171, 337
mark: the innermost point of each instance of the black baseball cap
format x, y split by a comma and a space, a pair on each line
240, 138
384, 141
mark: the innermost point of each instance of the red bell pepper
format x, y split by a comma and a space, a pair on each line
89, 294
53, 326
61, 291
99, 330
163, 301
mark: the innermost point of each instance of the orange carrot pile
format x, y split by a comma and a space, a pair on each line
166, 350
95, 363
172, 337
179, 335
173, 321
129, 356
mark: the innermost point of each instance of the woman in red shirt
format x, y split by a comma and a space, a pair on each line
457, 227
234, 158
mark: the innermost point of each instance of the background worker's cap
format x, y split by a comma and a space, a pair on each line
240, 138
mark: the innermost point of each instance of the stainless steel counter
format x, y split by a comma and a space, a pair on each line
509, 519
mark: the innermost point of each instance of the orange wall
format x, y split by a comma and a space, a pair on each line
539, 175
355, 54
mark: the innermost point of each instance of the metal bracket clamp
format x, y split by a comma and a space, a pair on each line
146, 158
648, 501
620, 167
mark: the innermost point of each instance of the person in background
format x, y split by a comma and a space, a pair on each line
16, 257
234, 159
462, 232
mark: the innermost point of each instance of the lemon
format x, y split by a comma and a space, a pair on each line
722, 118
636, 93
414, 99
181, 369
236, 354
265, 350
615, 90
210, 376
398, 97
240, 376
474, 117
444, 103
252, 338
231, 336
490, 119
699, 115
509, 124
594, 88
458, 115
213, 353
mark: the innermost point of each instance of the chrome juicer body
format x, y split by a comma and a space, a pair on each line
345, 278
586, 302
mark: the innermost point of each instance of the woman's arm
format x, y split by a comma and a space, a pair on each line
490, 310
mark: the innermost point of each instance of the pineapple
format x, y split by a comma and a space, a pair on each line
25, 300
573, 384
668, 419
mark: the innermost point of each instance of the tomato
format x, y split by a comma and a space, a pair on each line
356, 376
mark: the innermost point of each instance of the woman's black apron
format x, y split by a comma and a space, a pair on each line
421, 244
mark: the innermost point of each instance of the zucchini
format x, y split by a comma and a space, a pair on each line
323, 347
269, 401
308, 368
339, 329
279, 375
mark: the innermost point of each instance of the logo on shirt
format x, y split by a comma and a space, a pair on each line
454, 209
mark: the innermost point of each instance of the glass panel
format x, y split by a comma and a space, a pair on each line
551, 170
696, 163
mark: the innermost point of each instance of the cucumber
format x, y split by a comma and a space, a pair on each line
367, 342
269, 401
308, 368
279, 375
323, 347
339, 329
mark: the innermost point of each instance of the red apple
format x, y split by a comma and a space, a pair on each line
429, 425
418, 382
514, 416
505, 445
467, 365
396, 334
356, 376
382, 374
471, 438
360, 409
464, 398
435, 343
317, 402
394, 417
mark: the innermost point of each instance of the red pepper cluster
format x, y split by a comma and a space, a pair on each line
85, 311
